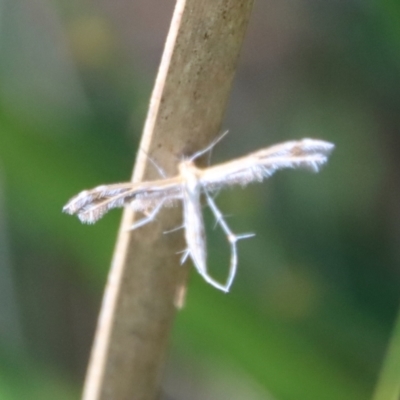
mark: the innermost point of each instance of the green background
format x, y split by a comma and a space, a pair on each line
314, 303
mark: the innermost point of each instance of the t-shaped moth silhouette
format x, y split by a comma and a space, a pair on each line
187, 187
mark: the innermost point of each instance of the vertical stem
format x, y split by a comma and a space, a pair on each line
388, 386
185, 114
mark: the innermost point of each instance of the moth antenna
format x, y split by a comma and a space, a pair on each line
208, 148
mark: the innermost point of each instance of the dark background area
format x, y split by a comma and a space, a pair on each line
316, 295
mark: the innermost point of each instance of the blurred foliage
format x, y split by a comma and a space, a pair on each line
313, 306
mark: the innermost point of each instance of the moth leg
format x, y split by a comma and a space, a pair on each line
174, 229
223, 287
149, 216
213, 197
185, 255
216, 223
155, 165
232, 239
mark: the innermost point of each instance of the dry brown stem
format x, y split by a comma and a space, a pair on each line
185, 114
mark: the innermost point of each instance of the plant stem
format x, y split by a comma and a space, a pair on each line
146, 278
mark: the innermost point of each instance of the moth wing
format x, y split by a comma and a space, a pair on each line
305, 153
91, 205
